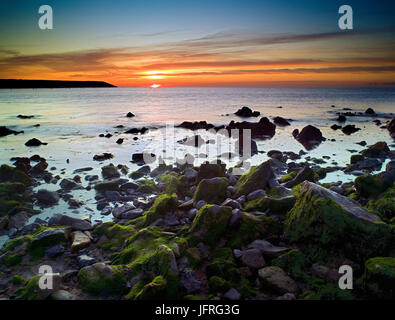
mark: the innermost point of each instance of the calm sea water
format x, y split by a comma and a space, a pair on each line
71, 120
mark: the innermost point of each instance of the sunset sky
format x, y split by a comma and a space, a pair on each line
200, 43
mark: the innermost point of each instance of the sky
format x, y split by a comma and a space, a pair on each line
259, 43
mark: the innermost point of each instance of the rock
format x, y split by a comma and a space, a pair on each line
370, 111
130, 115
54, 251
253, 259
39, 168
194, 141
34, 143
80, 240
349, 129
391, 128
141, 158
263, 128
212, 190
137, 130
211, 170
287, 297
63, 295
84, 260
112, 195
49, 236
356, 158
74, 223
110, 171
99, 278
237, 253
119, 141
304, 174
256, 194
18, 220
47, 197
232, 294
281, 121
266, 248
68, 184
309, 137
190, 174
379, 277
103, 156
4, 131
336, 127
256, 178
276, 279
210, 223
231, 203
378, 150
163, 205
32, 290
246, 112
330, 219
341, 118
189, 281
108, 185
237, 217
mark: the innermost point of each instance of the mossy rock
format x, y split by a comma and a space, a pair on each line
379, 277
275, 205
12, 197
116, 235
211, 170
12, 174
101, 279
18, 280
326, 292
372, 185
162, 205
288, 177
294, 262
256, 178
217, 284
212, 191
155, 290
147, 186
384, 205
251, 228
173, 184
210, 224
328, 225
30, 290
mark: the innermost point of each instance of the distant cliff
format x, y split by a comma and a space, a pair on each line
21, 84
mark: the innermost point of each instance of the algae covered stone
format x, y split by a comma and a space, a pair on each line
210, 223
330, 224
162, 205
379, 277
275, 205
256, 178
212, 191
100, 278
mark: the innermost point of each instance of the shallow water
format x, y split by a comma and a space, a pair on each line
71, 120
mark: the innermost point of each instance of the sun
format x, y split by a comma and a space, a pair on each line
155, 85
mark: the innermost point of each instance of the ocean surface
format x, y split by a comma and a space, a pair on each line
72, 119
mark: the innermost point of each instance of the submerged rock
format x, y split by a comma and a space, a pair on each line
34, 143
281, 121
246, 112
47, 197
4, 131
391, 128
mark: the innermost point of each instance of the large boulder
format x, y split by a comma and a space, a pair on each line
246, 112
211, 170
110, 171
257, 178
332, 225
210, 223
74, 223
47, 197
212, 190
304, 174
378, 150
263, 128
275, 205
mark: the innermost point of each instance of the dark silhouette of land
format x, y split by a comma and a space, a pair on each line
26, 84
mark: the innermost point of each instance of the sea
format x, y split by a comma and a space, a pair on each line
71, 120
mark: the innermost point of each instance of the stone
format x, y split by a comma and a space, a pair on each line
246, 112
47, 197
304, 174
85, 260
212, 190
54, 251
110, 171
256, 194
34, 143
232, 294
63, 295
276, 279
253, 259
189, 282
309, 137
68, 184
74, 223
18, 220
266, 248
231, 203
80, 240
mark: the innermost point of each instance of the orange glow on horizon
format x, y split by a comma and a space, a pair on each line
154, 86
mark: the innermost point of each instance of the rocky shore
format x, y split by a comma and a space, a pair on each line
204, 232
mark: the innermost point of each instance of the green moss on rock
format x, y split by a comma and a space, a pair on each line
147, 186
379, 277
275, 205
212, 191
162, 205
